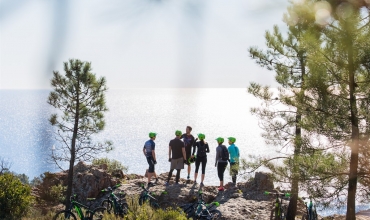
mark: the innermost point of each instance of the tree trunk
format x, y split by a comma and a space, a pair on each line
292, 209
352, 180
73, 153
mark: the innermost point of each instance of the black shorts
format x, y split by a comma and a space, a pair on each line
151, 164
188, 155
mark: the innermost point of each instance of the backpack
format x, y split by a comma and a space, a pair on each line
201, 149
224, 154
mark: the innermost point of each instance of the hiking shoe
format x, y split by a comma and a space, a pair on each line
166, 184
156, 181
201, 184
195, 182
188, 177
221, 188
150, 184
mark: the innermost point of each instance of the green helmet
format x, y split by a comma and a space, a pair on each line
201, 136
192, 160
152, 134
178, 133
220, 140
232, 139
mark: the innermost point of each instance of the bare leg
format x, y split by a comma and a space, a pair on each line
222, 183
189, 169
149, 177
202, 178
195, 176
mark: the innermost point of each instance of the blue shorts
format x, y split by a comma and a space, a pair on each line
151, 164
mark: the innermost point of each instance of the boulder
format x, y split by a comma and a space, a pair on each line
80, 167
90, 180
261, 182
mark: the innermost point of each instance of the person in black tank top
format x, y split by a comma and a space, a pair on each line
189, 142
202, 149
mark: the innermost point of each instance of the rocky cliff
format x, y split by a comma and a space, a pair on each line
246, 200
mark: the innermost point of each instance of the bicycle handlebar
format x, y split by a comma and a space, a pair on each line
217, 204
73, 197
109, 189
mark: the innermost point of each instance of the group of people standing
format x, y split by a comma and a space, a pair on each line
185, 149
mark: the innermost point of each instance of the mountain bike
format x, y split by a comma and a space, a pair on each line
278, 212
147, 196
311, 213
201, 210
96, 214
119, 205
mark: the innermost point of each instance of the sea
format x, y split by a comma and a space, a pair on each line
27, 137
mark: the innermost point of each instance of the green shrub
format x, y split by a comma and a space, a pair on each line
50, 189
112, 164
146, 212
15, 197
36, 214
57, 193
23, 178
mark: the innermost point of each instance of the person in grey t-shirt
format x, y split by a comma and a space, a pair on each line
177, 148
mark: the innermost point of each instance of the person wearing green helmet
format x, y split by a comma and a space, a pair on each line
177, 148
222, 157
149, 152
202, 149
189, 142
234, 158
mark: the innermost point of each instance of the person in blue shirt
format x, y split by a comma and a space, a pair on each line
149, 152
234, 158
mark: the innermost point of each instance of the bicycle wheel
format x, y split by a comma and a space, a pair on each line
65, 214
215, 214
275, 216
141, 200
123, 208
108, 205
98, 213
189, 210
154, 205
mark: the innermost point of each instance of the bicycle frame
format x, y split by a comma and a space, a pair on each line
113, 198
145, 196
77, 206
202, 203
278, 203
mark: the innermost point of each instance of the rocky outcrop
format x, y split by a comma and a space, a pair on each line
244, 201
260, 182
88, 180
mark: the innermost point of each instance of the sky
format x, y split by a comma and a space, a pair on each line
137, 43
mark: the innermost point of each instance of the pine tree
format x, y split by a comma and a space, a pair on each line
79, 97
279, 116
337, 93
